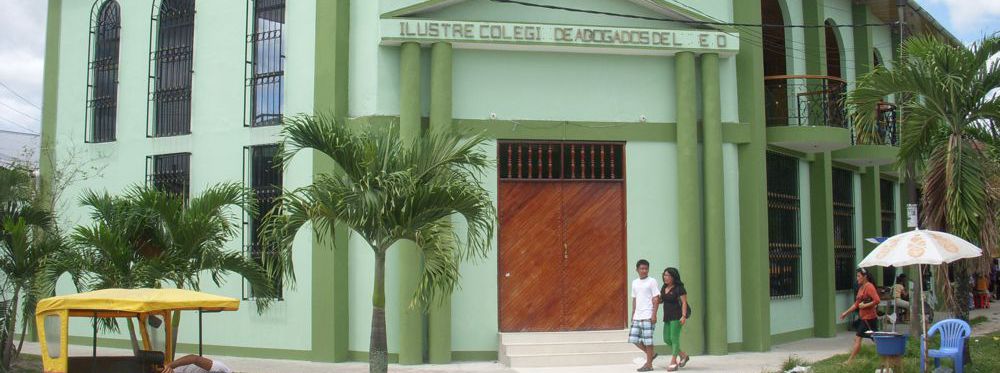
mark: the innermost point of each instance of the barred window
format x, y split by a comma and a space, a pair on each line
266, 62
887, 195
784, 244
170, 173
172, 67
263, 174
561, 161
843, 229
102, 82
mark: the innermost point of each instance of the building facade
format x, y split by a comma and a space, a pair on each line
673, 131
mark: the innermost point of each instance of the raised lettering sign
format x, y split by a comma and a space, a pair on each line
492, 35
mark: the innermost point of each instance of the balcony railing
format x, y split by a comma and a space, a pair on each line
885, 130
805, 100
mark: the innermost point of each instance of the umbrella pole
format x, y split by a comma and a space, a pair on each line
199, 333
923, 315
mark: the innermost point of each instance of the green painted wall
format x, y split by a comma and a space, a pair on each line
731, 194
756, 329
216, 145
787, 314
602, 93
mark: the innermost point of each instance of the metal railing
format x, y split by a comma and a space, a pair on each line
884, 132
805, 100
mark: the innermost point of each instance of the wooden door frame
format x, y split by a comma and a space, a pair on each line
624, 208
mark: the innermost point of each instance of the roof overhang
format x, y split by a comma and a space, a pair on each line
915, 16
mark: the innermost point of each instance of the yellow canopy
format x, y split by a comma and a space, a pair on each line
122, 302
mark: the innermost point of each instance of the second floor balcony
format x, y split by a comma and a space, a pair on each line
884, 131
807, 113
805, 100
874, 144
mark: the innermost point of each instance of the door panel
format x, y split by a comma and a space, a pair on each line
530, 256
594, 288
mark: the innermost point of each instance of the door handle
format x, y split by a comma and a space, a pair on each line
565, 251
507, 275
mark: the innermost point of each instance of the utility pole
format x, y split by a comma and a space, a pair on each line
917, 298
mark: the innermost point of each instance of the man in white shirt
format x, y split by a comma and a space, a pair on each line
195, 364
644, 290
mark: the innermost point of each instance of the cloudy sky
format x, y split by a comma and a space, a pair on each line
22, 36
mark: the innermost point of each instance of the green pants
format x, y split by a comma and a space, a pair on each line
672, 335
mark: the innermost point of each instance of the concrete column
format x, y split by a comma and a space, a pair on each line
824, 285
407, 258
330, 311
715, 218
439, 320
692, 262
754, 278
871, 213
815, 37
864, 60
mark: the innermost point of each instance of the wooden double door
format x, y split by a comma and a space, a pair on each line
562, 255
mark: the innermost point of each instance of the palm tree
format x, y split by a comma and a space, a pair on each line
948, 133
150, 238
26, 251
389, 190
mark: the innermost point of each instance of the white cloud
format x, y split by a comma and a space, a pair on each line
971, 16
22, 49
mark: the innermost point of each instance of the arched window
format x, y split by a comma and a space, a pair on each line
103, 79
266, 62
172, 65
832, 51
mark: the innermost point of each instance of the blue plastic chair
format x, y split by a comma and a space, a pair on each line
953, 335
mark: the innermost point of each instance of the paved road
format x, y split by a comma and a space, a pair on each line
810, 350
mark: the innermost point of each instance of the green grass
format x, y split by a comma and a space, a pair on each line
984, 357
28, 364
792, 362
978, 320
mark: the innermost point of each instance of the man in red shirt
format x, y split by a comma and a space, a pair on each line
865, 303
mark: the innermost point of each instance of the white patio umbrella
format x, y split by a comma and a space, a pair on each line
920, 247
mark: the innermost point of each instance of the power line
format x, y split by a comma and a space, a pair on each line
4, 104
18, 125
19, 95
690, 22
19, 133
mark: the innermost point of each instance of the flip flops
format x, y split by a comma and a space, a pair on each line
684, 361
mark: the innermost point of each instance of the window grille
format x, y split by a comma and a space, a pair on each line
843, 229
102, 80
784, 245
170, 173
565, 161
172, 67
266, 62
263, 174
887, 196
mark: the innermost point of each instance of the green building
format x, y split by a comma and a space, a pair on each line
674, 131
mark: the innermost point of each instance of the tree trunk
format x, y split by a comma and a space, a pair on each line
8, 340
20, 343
172, 338
133, 338
964, 291
378, 355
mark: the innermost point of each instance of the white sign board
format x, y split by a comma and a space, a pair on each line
527, 36
911, 215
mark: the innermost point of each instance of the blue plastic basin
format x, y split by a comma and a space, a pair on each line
890, 344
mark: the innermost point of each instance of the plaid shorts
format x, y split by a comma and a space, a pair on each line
641, 332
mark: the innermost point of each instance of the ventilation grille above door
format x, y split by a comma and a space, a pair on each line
563, 161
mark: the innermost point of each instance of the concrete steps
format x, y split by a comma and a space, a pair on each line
607, 347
